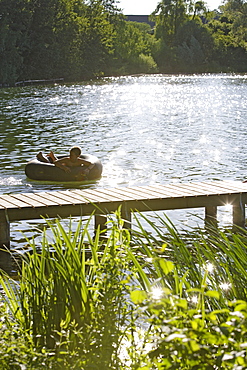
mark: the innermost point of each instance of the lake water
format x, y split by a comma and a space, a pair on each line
146, 129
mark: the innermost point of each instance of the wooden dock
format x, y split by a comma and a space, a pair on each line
104, 201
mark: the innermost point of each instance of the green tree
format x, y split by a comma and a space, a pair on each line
229, 31
38, 58
194, 47
169, 15
133, 48
83, 40
14, 17
199, 8
236, 11
43, 39
97, 42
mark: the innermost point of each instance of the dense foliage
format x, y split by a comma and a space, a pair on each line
79, 39
146, 300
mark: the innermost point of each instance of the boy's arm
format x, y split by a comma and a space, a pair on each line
86, 163
89, 165
61, 163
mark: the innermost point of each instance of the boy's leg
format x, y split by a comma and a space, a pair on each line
51, 156
82, 175
41, 158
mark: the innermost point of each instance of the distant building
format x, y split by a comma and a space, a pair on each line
140, 18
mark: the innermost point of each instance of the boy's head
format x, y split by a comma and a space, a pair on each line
75, 150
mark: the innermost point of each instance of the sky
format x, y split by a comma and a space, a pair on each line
144, 7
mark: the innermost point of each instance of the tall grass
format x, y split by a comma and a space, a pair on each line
214, 259
70, 295
141, 300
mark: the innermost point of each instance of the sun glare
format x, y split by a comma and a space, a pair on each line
210, 267
228, 207
225, 286
156, 293
194, 299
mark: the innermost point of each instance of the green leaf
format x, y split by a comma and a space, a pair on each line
138, 296
182, 303
213, 294
167, 266
194, 346
241, 307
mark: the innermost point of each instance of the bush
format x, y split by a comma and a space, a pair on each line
154, 299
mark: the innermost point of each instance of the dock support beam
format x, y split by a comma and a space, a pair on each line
238, 214
126, 216
100, 222
5, 258
211, 216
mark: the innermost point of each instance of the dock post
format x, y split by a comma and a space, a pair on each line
126, 216
238, 213
211, 216
5, 257
100, 222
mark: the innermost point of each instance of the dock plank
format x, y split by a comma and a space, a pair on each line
199, 190
30, 201
6, 205
81, 196
13, 201
210, 189
136, 193
176, 190
112, 195
94, 196
227, 186
40, 198
57, 201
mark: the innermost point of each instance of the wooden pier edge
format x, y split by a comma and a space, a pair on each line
101, 202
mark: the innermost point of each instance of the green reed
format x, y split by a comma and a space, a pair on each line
82, 301
70, 293
193, 292
212, 259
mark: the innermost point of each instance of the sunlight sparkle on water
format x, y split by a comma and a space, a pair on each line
216, 155
114, 172
196, 151
203, 139
121, 152
159, 154
9, 181
226, 214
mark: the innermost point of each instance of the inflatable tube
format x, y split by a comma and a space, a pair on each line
42, 171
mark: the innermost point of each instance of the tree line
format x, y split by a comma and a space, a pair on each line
82, 39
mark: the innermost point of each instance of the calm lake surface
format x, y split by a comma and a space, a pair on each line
146, 129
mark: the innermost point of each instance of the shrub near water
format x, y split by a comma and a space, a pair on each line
197, 302
70, 301
152, 300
